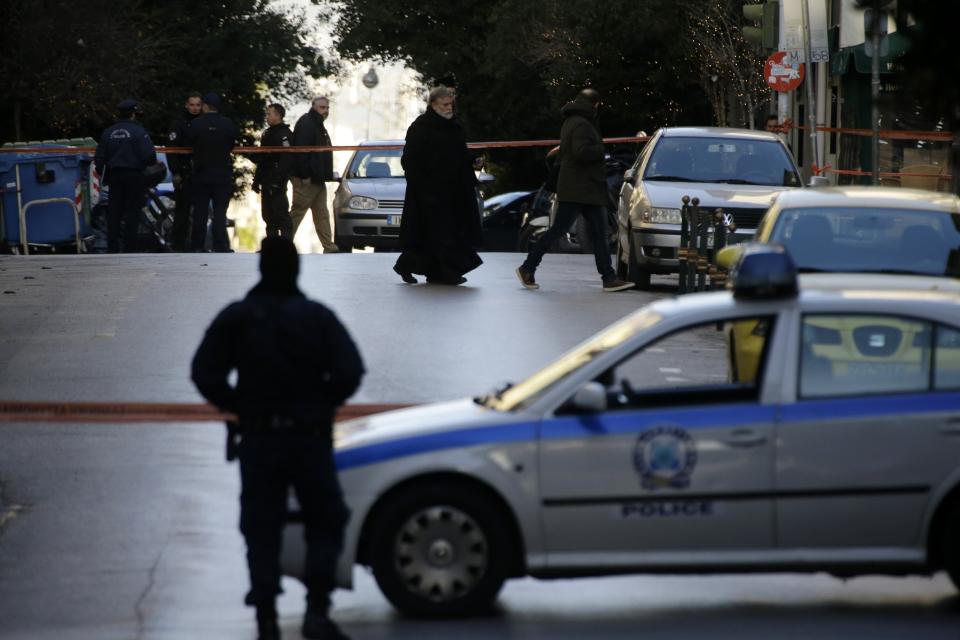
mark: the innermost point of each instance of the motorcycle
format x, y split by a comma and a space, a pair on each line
543, 211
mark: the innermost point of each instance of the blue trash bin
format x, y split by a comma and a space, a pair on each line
39, 176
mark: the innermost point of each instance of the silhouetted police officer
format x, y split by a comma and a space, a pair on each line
295, 365
181, 166
273, 174
124, 152
212, 137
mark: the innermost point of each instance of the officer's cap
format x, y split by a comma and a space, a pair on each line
211, 99
128, 105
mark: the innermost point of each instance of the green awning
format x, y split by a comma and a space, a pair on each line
897, 44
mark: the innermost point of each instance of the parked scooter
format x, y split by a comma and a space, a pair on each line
543, 211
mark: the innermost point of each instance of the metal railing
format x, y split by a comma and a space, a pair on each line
23, 221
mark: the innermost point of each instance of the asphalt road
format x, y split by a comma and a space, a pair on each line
129, 531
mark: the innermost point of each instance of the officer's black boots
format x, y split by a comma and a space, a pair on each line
317, 625
267, 627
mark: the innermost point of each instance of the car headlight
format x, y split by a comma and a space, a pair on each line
661, 215
362, 202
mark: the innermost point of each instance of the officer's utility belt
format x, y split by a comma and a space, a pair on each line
278, 423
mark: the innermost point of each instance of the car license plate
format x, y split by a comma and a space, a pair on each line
393, 220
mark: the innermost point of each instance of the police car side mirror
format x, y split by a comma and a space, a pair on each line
485, 177
336, 176
628, 175
819, 181
591, 398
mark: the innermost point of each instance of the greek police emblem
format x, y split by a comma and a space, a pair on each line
173, 135
665, 457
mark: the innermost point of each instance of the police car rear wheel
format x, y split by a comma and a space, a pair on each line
437, 553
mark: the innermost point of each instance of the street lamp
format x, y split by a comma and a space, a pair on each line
370, 80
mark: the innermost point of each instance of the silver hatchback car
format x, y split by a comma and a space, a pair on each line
737, 170
369, 201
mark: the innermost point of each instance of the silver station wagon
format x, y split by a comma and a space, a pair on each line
369, 201
837, 450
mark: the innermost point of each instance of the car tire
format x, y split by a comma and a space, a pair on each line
950, 544
439, 551
629, 270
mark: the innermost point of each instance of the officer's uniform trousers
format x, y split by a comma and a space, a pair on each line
271, 461
124, 207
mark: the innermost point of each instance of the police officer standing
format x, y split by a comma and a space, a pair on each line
180, 167
273, 173
212, 137
124, 152
295, 365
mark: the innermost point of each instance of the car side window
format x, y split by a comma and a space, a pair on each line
701, 364
946, 373
848, 355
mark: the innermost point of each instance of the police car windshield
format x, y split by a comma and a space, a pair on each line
522, 394
376, 164
723, 160
871, 240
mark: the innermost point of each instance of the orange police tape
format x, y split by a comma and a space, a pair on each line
502, 144
117, 412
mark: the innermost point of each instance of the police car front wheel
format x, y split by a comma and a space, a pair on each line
436, 552
951, 549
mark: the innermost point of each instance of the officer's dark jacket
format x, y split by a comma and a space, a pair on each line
273, 169
582, 176
212, 137
310, 132
179, 163
124, 146
293, 358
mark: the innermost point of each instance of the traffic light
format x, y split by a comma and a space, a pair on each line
767, 18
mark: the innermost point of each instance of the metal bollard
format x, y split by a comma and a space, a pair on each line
684, 240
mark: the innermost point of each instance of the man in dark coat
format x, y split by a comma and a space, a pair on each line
212, 137
581, 190
313, 170
273, 173
181, 166
124, 151
296, 364
441, 220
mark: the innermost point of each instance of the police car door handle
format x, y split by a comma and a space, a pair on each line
745, 438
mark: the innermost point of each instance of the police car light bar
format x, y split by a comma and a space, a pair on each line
764, 271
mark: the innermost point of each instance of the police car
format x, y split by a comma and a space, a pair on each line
610, 460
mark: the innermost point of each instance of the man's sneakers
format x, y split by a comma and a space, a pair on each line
616, 285
526, 278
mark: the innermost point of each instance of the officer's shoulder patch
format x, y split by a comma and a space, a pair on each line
173, 135
286, 142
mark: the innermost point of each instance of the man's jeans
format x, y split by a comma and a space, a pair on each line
567, 213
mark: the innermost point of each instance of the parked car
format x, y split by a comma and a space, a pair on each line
736, 170
872, 230
502, 216
368, 203
864, 229
603, 462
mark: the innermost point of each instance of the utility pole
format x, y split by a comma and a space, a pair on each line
811, 100
875, 88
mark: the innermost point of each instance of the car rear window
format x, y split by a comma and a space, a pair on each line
722, 160
853, 239
376, 164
